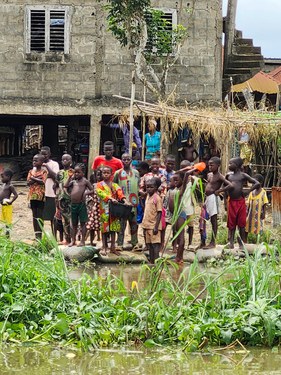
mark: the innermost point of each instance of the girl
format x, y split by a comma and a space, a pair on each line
108, 191
92, 203
36, 181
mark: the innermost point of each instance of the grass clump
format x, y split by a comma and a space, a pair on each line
39, 303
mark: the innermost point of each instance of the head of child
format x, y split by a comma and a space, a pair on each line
6, 176
178, 179
152, 185
93, 179
106, 174
184, 164
38, 160
259, 178
155, 165
79, 171
99, 175
235, 164
108, 149
126, 160
143, 168
66, 161
214, 164
46, 152
190, 142
170, 162
172, 183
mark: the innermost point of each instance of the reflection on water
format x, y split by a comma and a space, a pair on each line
45, 360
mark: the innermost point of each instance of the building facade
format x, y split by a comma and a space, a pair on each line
60, 67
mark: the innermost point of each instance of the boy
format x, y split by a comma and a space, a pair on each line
107, 159
155, 172
63, 197
5, 199
52, 167
170, 162
236, 207
128, 179
151, 222
79, 187
256, 204
189, 152
210, 208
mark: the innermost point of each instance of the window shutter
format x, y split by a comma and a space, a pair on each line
37, 30
57, 24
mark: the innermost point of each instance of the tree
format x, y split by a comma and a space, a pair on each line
155, 45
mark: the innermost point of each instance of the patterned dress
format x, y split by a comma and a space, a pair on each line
104, 192
37, 191
93, 208
255, 207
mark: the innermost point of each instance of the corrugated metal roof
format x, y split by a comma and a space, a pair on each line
276, 74
261, 82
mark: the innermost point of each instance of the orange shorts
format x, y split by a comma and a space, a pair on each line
152, 238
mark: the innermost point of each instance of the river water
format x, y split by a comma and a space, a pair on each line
40, 360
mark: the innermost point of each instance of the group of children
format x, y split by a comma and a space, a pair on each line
158, 197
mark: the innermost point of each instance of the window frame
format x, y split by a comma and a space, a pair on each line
47, 9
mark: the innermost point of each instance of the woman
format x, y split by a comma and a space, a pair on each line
152, 140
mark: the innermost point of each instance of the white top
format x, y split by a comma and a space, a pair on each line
49, 191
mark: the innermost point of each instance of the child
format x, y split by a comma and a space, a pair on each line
152, 219
236, 206
5, 199
108, 191
185, 211
257, 202
36, 181
189, 152
63, 196
210, 207
143, 169
92, 203
128, 179
155, 172
79, 187
170, 162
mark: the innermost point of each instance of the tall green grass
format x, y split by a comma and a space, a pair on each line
39, 303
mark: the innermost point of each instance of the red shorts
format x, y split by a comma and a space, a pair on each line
236, 213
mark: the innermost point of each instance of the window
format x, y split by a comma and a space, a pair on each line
155, 37
47, 29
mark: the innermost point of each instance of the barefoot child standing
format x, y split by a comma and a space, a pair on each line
236, 205
108, 191
36, 181
151, 222
78, 187
5, 198
215, 180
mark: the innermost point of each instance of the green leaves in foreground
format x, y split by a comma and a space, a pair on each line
38, 303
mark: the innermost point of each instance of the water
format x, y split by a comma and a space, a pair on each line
46, 360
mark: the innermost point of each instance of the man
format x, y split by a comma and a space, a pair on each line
107, 159
128, 179
52, 167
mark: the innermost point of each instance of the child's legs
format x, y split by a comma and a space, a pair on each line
37, 208
155, 249
92, 236
121, 233
133, 228
180, 240
113, 238
214, 222
83, 232
231, 234
104, 241
151, 252
242, 234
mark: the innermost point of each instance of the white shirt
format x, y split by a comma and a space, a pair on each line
54, 167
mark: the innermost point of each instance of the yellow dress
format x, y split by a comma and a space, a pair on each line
255, 207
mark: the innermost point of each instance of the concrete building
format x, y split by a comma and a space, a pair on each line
60, 67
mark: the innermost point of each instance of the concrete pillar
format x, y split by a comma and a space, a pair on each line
94, 140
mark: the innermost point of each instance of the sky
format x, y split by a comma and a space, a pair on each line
260, 20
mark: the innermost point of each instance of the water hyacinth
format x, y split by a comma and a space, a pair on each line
39, 303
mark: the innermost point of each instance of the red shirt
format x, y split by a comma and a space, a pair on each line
101, 161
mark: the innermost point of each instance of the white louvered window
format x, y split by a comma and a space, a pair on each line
47, 29
170, 16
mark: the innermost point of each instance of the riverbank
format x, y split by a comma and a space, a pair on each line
40, 303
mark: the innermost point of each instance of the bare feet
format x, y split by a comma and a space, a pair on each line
72, 243
81, 244
210, 246
229, 246
179, 261
115, 251
103, 252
